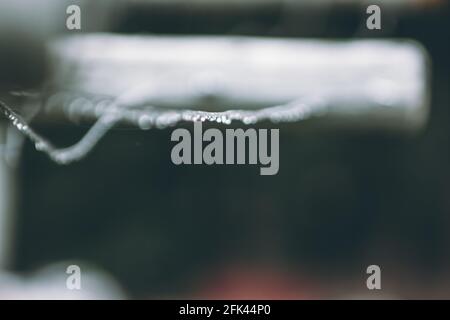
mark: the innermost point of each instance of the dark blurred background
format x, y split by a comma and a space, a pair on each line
342, 200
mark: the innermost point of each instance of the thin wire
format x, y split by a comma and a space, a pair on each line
150, 118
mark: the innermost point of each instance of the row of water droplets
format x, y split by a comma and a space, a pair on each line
18, 122
110, 112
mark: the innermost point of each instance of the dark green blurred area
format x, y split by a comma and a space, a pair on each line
343, 199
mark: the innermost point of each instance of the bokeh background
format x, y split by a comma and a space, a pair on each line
344, 198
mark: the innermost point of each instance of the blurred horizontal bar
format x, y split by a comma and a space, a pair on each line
364, 80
